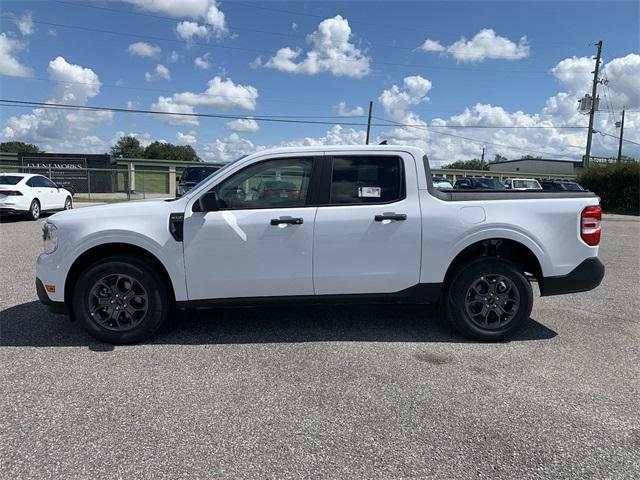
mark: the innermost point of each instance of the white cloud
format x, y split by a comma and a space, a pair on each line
9, 64
25, 24
396, 101
76, 85
431, 46
188, 138
160, 72
228, 148
294, 26
144, 49
173, 56
444, 145
206, 10
331, 51
221, 93
163, 72
485, 45
215, 18
342, 110
203, 62
167, 105
190, 30
243, 125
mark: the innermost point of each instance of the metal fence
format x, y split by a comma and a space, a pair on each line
107, 184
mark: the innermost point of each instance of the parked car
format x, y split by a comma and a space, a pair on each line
366, 224
30, 195
561, 186
442, 183
477, 183
191, 176
522, 184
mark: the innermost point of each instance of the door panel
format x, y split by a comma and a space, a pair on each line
260, 242
240, 254
355, 252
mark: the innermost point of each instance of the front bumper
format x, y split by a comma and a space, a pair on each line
54, 307
584, 277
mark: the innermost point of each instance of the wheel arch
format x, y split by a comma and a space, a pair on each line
90, 256
497, 247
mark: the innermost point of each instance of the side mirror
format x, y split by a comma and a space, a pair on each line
207, 203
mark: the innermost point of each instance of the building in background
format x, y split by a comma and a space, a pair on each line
542, 166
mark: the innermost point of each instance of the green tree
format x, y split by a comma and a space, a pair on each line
19, 147
474, 164
127, 147
168, 151
499, 158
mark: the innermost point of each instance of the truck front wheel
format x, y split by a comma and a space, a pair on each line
489, 299
120, 300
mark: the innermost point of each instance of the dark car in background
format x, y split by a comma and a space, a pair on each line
477, 183
191, 176
561, 186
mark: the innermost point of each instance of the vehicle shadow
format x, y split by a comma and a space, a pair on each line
31, 324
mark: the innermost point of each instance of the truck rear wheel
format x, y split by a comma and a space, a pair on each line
120, 300
489, 299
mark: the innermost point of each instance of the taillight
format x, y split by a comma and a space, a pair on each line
11, 193
590, 225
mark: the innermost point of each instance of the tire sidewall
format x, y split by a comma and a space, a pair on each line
69, 201
31, 210
460, 284
140, 271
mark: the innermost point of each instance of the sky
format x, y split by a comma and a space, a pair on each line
450, 77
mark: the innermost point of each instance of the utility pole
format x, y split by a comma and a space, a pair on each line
482, 160
621, 136
592, 112
369, 121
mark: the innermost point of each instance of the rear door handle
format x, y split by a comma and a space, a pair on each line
288, 220
390, 216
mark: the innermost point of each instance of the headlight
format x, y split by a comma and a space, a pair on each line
49, 237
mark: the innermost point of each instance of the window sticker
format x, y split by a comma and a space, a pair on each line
369, 192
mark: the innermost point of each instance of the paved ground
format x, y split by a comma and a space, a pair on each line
333, 392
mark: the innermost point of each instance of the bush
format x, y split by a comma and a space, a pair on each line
617, 184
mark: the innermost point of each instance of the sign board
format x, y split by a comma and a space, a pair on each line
71, 170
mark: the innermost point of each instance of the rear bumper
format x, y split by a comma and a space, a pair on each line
13, 210
584, 277
54, 307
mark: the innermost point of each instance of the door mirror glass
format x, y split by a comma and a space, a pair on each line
208, 202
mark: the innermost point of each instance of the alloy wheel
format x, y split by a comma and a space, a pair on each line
118, 302
492, 301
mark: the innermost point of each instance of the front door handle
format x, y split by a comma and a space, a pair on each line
390, 216
288, 220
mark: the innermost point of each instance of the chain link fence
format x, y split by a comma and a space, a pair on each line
107, 184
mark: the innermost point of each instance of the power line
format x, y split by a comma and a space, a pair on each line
283, 118
266, 52
371, 24
244, 29
617, 137
475, 140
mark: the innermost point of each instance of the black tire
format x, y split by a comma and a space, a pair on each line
489, 299
34, 210
68, 203
127, 330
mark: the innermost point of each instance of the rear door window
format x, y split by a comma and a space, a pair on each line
366, 180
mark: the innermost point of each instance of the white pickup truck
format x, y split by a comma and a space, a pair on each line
320, 224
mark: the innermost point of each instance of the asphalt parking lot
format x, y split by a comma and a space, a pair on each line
324, 392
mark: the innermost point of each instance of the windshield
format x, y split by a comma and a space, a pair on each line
9, 179
491, 183
529, 184
571, 187
197, 174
